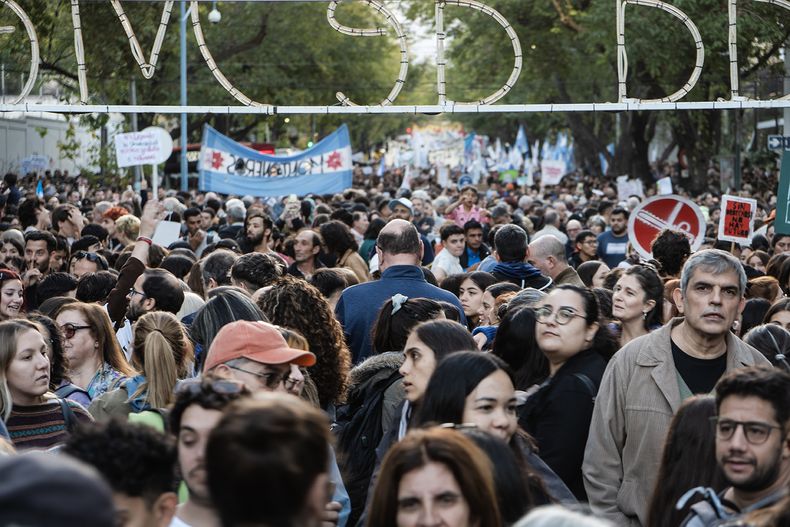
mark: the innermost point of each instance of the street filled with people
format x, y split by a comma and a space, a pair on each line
458, 355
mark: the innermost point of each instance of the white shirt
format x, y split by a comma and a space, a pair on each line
448, 263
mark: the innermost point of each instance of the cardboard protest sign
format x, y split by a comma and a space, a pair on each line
737, 219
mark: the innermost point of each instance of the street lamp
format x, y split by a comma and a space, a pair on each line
214, 16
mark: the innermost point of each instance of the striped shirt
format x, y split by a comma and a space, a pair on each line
42, 426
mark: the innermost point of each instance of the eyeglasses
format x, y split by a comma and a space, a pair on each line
133, 291
590, 242
221, 386
562, 316
270, 379
756, 432
69, 330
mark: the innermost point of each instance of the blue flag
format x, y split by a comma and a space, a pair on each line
40, 189
228, 167
521, 140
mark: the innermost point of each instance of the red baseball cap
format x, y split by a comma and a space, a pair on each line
256, 341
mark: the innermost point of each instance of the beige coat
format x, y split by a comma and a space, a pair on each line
638, 396
353, 261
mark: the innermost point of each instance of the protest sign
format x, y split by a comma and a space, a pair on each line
665, 212
736, 223
551, 172
149, 147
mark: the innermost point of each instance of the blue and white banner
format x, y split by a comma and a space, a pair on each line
228, 167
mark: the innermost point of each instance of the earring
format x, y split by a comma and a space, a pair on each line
644, 315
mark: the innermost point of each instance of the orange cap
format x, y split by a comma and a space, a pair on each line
255, 341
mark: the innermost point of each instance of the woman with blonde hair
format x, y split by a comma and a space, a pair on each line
96, 362
35, 418
163, 354
127, 229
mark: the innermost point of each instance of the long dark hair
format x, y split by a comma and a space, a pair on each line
515, 344
454, 379
392, 329
689, 460
510, 483
338, 238
776, 307
654, 290
444, 400
444, 337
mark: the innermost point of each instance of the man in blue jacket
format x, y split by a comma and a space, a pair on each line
399, 251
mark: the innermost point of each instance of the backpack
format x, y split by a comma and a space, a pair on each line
358, 430
69, 419
65, 391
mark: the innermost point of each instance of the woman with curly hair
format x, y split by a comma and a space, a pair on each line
295, 304
341, 244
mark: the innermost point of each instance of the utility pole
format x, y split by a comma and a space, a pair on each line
184, 165
138, 173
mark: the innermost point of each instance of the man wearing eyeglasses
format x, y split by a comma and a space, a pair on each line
648, 379
752, 445
256, 354
586, 244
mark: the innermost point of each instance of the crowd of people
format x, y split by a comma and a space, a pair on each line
479, 356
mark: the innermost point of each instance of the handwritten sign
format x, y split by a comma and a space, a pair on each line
149, 147
551, 172
737, 219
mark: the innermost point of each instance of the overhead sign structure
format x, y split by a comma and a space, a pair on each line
665, 212
149, 147
228, 167
736, 223
148, 65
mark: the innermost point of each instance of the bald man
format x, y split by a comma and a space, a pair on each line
572, 228
548, 255
399, 250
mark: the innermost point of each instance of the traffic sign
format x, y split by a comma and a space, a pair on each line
665, 212
778, 142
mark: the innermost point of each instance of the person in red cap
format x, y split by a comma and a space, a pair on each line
256, 354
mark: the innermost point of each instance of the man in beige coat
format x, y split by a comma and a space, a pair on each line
648, 379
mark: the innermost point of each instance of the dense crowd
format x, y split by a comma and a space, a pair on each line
484, 356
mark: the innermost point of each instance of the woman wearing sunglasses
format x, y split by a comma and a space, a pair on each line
577, 347
35, 418
96, 362
12, 295
163, 354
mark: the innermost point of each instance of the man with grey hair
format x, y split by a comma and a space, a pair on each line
547, 254
236, 212
648, 379
551, 226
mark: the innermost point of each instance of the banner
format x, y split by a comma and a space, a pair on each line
228, 167
782, 222
736, 223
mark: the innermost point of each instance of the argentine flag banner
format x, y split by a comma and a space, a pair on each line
228, 167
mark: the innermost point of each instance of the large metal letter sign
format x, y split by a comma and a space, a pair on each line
34, 54
622, 56
387, 104
404, 52
441, 62
732, 37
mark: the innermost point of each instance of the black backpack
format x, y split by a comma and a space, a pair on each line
358, 430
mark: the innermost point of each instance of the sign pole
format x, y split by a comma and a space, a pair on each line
155, 181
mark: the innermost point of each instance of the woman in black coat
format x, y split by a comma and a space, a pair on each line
577, 347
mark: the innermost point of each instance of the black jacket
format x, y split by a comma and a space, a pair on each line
484, 252
558, 416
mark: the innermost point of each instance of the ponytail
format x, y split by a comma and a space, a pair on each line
160, 370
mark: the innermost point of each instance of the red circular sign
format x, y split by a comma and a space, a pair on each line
665, 212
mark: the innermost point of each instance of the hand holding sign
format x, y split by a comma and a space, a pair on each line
737, 219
